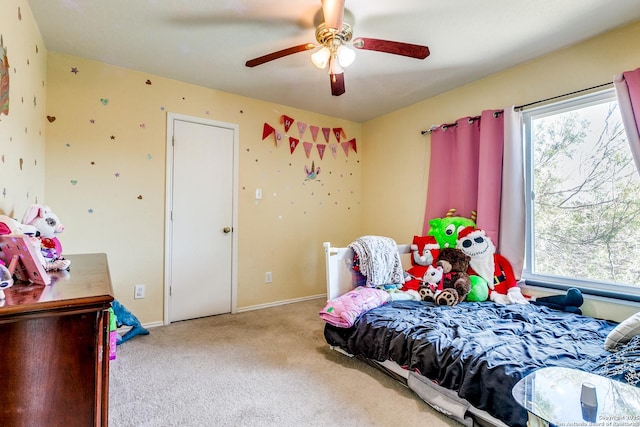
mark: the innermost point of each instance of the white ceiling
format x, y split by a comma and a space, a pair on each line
208, 42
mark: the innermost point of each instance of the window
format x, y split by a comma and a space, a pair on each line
583, 198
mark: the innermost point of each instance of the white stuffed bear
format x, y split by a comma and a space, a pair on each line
431, 283
48, 225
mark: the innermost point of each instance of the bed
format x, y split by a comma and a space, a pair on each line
464, 360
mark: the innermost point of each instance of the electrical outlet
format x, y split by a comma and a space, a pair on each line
267, 277
138, 292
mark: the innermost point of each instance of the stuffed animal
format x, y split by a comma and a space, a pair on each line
445, 230
455, 281
491, 266
570, 302
10, 225
431, 284
424, 252
126, 318
48, 226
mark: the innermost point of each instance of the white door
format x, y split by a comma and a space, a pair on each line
201, 167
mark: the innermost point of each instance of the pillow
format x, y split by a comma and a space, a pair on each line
344, 310
623, 333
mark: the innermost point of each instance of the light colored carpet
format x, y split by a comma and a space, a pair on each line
269, 367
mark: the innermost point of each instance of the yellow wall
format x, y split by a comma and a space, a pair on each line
22, 131
110, 192
397, 154
106, 154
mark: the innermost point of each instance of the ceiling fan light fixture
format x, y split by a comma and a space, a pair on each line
335, 49
321, 58
334, 66
346, 56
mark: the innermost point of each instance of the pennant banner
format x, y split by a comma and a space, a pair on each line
314, 132
267, 130
301, 128
287, 122
339, 134
334, 150
345, 148
326, 132
293, 143
321, 148
352, 143
307, 148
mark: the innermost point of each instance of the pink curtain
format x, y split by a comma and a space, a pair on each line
627, 87
465, 171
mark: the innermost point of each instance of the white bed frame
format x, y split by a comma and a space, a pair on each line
339, 281
339, 262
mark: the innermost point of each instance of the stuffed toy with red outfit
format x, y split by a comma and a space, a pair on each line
424, 252
491, 266
48, 225
432, 283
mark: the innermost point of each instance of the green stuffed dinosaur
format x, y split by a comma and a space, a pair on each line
446, 229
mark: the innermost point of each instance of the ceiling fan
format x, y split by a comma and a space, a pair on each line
333, 36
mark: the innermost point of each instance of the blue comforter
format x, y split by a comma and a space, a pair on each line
480, 350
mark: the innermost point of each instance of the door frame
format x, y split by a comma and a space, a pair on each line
169, 203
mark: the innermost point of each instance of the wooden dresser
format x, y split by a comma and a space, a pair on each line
54, 348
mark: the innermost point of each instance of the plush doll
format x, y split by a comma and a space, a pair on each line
445, 230
570, 302
126, 318
491, 266
48, 226
10, 225
455, 280
431, 284
424, 252
497, 270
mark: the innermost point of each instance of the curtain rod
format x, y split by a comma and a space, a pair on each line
496, 114
520, 107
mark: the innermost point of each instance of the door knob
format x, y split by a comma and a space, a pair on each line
226, 230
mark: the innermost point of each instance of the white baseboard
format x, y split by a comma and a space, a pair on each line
277, 303
153, 324
242, 309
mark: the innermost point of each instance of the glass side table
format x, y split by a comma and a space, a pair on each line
552, 396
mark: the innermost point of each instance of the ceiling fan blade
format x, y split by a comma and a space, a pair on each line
397, 48
333, 11
279, 54
337, 84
